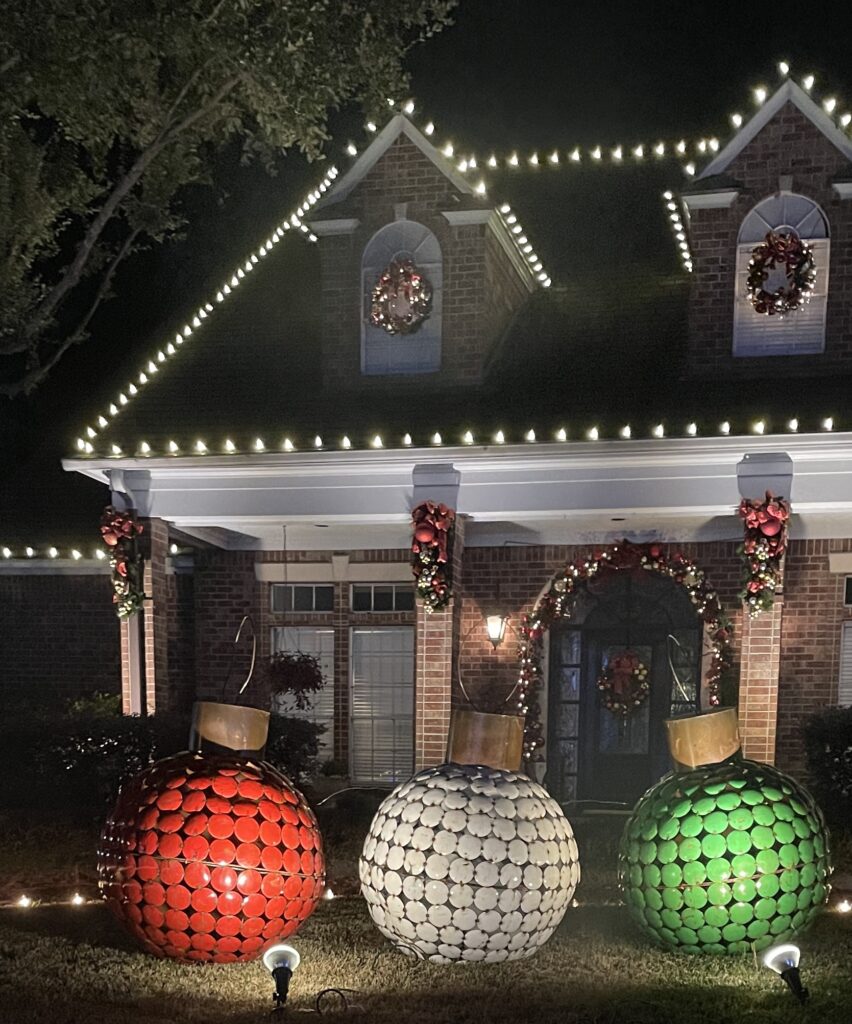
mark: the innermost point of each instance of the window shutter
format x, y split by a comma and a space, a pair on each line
799, 333
319, 643
844, 688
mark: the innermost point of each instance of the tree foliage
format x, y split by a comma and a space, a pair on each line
107, 109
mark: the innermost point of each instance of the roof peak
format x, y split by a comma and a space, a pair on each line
398, 125
788, 92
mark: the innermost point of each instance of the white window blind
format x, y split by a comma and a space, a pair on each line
419, 352
844, 688
801, 332
319, 643
381, 736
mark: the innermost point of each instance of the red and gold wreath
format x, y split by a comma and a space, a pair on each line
788, 253
764, 544
402, 299
431, 553
119, 531
624, 684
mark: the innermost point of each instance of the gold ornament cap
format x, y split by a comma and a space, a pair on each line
708, 738
496, 741
230, 726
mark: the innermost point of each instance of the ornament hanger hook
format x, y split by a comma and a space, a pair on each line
245, 619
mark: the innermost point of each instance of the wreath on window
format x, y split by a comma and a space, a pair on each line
624, 684
783, 251
402, 298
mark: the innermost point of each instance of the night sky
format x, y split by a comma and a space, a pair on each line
507, 74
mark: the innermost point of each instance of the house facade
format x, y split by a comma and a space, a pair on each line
276, 447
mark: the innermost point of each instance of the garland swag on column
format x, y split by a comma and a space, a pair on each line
431, 553
119, 531
763, 546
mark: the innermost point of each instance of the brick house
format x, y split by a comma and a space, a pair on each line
277, 446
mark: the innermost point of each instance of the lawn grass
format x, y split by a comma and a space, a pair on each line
67, 965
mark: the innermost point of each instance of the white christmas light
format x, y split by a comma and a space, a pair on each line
430, 128
408, 107
625, 432
760, 94
436, 439
725, 428
808, 83
596, 153
115, 449
758, 427
659, 430
100, 554
845, 119
499, 437
345, 442
828, 423
575, 155
406, 440
24, 901
200, 447
530, 435
7, 552
288, 445
829, 104
793, 425
317, 442
351, 149
376, 442
145, 448
593, 434
467, 437
174, 448
448, 149
562, 434
259, 446
554, 157
29, 552
783, 67
844, 906
692, 429
737, 120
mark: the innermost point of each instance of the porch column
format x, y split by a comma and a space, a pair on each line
759, 676
157, 612
132, 666
436, 633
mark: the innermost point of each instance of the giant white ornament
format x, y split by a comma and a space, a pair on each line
466, 863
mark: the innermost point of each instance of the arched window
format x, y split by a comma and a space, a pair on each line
420, 351
802, 331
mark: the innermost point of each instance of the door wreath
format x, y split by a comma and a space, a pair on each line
624, 684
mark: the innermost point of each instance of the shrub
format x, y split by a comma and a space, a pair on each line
828, 745
293, 746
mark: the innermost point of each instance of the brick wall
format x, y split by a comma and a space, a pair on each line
508, 580
481, 289
789, 145
810, 642
59, 636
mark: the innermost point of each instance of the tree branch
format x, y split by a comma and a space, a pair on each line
37, 373
74, 271
9, 63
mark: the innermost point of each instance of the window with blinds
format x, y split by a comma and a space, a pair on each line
801, 332
844, 686
381, 732
420, 351
319, 643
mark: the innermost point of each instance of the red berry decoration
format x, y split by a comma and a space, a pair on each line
211, 858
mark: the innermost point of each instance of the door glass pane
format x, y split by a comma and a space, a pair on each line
570, 649
624, 734
683, 654
566, 724
570, 684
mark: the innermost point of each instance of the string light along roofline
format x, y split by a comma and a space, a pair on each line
258, 449
837, 118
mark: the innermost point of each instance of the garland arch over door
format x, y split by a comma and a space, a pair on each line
559, 601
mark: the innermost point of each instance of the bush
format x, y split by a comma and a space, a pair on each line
828, 745
293, 746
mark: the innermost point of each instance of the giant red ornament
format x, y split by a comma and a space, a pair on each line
211, 857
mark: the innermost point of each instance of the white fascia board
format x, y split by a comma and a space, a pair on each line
323, 572
398, 125
521, 483
51, 567
789, 92
507, 240
460, 218
710, 200
843, 189
335, 226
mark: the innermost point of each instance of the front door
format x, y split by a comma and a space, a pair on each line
597, 756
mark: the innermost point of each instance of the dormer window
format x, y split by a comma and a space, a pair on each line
404, 243
801, 331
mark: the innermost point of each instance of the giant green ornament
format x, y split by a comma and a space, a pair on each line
724, 858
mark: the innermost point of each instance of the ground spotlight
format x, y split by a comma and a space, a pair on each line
784, 960
281, 961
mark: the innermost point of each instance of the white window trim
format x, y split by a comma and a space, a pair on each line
326, 572
844, 672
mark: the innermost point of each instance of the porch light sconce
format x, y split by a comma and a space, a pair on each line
495, 627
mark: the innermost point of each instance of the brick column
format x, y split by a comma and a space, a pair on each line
157, 612
759, 674
434, 664
132, 666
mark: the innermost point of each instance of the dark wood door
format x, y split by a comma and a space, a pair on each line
593, 755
